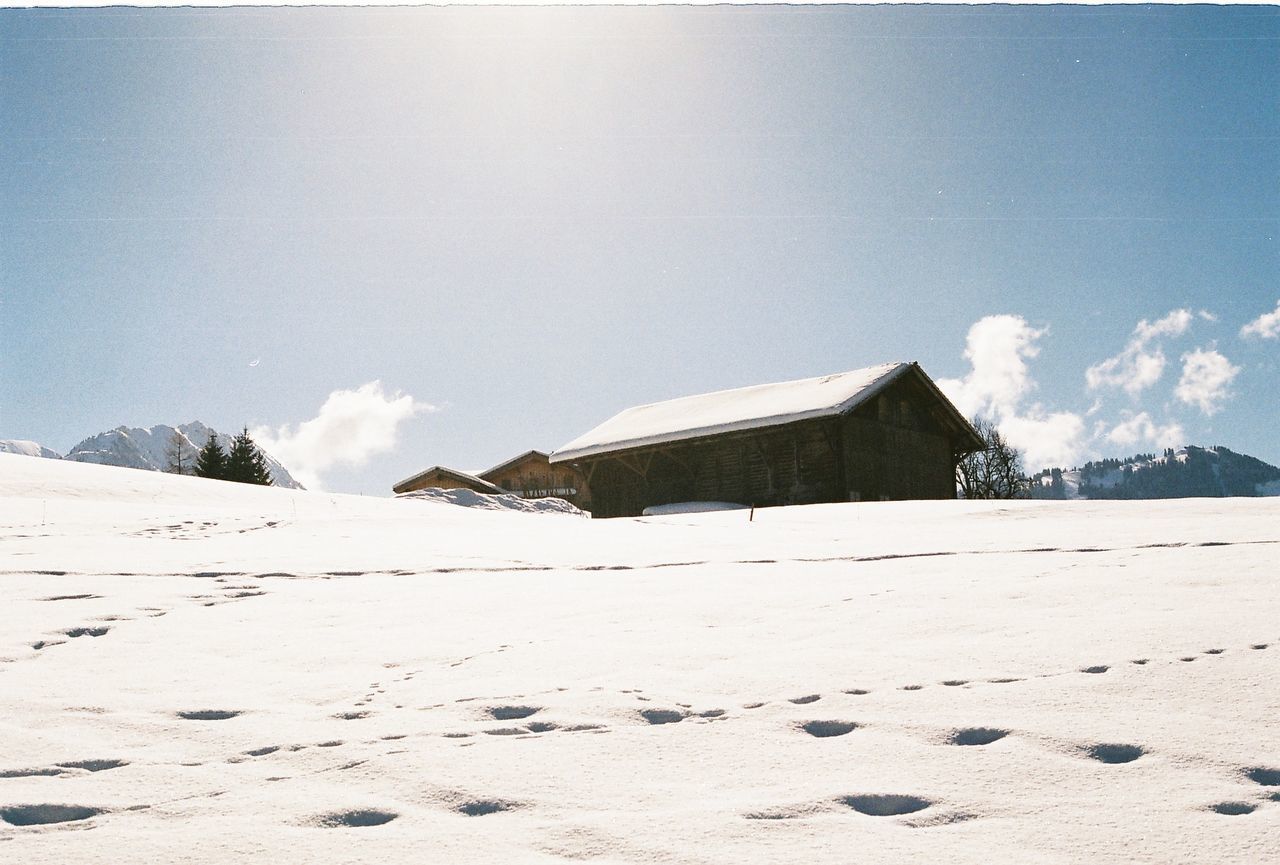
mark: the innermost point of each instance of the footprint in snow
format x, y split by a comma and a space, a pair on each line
1113, 753
353, 819
1265, 777
804, 701
36, 815
481, 807
512, 713
93, 765
974, 736
885, 805
209, 714
1233, 809
828, 729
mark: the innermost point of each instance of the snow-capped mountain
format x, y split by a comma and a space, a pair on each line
27, 448
149, 448
1183, 473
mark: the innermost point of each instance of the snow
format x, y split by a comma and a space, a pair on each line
147, 448
27, 448
691, 508
732, 410
503, 502
203, 672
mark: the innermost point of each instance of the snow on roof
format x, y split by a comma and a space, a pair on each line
508, 463
448, 472
742, 408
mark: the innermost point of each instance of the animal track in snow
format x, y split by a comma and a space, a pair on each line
71, 597
209, 714
828, 729
885, 805
662, 716
1112, 753
1100, 668
351, 716
262, 752
804, 701
857, 692
972, 736
35, 815
954, 683
1214, 651
354, 819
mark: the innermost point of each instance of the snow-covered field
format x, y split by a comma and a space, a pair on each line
207, 672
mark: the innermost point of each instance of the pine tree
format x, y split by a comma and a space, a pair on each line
245, 463
211, 462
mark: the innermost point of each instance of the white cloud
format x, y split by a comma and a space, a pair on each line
352, 426
1206, 379
997, 348
1141, 428
1206, 315
1141, 364
1266, 326
1045, 439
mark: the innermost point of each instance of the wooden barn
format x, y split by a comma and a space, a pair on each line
531, 476
446, 479
876, 434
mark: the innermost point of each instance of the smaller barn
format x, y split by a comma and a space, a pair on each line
446, 479
880, 433
531, 476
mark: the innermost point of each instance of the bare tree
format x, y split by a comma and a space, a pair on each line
995, 472
181, 459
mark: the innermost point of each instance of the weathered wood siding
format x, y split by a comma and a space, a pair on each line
794, 464
895, 446
536, 478
894, 449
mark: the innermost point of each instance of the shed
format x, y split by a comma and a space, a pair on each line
446, 479
531, 476
881, 433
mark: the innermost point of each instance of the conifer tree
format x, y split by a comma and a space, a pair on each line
211, 462
245, 463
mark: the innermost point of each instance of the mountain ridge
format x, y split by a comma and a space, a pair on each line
144, 448
1187, 472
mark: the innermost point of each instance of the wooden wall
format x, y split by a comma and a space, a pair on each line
896, 446
536, 478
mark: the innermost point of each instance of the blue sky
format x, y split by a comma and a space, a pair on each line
519, 221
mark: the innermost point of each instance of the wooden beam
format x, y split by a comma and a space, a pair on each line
635, 467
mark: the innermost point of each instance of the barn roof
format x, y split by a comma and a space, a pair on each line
478, 484
743, 408
506, 464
